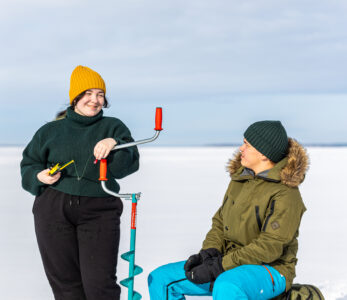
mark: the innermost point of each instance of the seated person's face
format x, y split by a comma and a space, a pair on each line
250, 157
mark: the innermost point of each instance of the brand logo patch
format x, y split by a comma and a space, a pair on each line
275, 225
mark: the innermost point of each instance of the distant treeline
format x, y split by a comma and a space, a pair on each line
215, 145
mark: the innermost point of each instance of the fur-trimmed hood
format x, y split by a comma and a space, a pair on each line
290, 170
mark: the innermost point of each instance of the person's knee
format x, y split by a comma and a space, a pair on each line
220, 284
166, 274
150, 278
160, 279
156, 277
224, 288
157, 282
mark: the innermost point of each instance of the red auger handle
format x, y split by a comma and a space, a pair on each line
158, 119
133, 216
103, 170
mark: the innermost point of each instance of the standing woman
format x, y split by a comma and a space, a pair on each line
76, 222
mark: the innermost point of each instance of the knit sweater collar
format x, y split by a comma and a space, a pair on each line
78, 120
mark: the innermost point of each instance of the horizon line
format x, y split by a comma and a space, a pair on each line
208, 145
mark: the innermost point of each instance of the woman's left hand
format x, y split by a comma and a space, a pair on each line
103, 148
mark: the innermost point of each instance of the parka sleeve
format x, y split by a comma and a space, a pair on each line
32, 163
215, 237
279, 228
123, 162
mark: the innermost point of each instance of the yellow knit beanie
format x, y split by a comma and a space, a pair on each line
82, 79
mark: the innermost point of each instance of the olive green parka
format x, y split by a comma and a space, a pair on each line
259, 219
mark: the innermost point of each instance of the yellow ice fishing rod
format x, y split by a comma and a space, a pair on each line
58, 168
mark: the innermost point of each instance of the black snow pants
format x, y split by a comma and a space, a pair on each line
78, 238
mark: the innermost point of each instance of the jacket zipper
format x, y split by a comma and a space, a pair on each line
272, 208
258, 217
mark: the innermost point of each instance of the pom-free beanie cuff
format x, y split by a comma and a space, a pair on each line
82, 79
269, 138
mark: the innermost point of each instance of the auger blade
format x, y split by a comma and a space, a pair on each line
127, 255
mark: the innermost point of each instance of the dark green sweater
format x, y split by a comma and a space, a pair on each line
75, 137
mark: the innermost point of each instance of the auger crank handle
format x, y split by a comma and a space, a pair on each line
158, 128
158, 119
103, 169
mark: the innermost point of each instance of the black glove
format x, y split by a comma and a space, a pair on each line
208, 271
198, 259
193, 261
208, 253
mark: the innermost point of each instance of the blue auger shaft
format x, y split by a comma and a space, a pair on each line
130, 255
132, 246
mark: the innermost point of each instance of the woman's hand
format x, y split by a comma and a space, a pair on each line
103, 148
44, 177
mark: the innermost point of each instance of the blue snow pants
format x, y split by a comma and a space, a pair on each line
169, 282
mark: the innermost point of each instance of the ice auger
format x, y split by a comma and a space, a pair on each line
130, 255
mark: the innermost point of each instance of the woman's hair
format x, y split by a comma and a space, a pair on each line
62, 114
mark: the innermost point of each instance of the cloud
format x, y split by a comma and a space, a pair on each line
177, 47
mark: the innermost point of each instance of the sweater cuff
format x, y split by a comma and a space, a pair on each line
37, 181
119, 141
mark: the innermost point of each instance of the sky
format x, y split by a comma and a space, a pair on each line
214, 66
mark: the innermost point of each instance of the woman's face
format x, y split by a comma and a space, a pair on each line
91, 103
250, 157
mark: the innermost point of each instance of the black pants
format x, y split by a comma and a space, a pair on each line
78, 238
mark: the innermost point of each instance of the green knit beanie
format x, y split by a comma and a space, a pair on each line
269, 138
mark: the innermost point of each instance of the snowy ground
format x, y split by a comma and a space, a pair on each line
182, 188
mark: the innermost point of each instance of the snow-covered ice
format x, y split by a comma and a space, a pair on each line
181, 189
